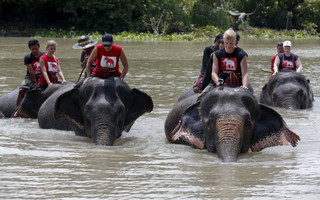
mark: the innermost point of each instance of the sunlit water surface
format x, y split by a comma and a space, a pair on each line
51, 164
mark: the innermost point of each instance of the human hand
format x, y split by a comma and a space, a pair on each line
244, 87
196, 90
274, 73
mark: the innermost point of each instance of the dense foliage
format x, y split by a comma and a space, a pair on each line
157, 16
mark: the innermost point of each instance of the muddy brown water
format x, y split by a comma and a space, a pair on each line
52, 164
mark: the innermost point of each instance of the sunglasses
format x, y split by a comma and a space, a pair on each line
107, 45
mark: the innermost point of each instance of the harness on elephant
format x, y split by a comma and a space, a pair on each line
232, 80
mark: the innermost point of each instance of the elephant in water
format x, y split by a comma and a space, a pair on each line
30, 104
8, 103
33, 99
100, 109
289, 90
226, 121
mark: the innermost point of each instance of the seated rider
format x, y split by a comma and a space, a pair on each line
279, 50
206, 55
230, 63
107, 57
287, 61
87, 46
50, 66
33, 71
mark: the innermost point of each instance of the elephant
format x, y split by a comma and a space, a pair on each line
289, 90
29, 106
8, 103
227, 121
99, 109
33, 99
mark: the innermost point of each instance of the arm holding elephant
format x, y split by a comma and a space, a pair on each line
32, 74
60, 73
215, 68
299, 65
93, 56
125, 64
44, 71
275, 65
244, 71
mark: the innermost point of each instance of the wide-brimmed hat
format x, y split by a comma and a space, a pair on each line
84, 42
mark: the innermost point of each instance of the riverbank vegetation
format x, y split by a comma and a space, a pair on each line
160, 20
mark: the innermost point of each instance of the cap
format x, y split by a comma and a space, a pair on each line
287, 43
107, 39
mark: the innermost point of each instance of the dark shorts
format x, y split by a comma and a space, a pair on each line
27, 83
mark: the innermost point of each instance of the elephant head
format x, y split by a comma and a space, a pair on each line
102, 108
289, 90
229, 121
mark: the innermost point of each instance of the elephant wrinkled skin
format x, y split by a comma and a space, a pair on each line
289, 90
227, 121
100, 109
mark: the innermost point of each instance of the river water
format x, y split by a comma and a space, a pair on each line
51, 164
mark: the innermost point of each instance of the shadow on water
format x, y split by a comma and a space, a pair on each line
51, 164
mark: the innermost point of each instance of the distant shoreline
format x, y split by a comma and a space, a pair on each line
199, 34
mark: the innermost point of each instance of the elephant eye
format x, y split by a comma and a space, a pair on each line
208, 121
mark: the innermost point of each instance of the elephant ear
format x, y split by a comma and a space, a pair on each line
141, 103
189, 130
68, 106
271, 130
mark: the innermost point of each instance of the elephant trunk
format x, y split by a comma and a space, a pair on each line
229, 138
291, 103
105, 132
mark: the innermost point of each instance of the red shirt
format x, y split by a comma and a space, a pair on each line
272, 61
51, 64
107, 64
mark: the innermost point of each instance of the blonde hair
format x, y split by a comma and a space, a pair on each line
230, 34
51, 43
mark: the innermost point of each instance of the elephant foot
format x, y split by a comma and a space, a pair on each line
182, 134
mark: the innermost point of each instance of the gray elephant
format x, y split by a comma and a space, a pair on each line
33, 99
289, 90
30, 104
100, 109
8, 103
226, 121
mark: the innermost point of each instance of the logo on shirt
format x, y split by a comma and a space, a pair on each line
108, 62
36, 67
229, 64
288, 64
52, 67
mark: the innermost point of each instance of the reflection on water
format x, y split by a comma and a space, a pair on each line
51, 164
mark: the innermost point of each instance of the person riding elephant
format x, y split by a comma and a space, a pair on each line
100, 109
287, 61
231, 61
289, 90
30, 81
227, 121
